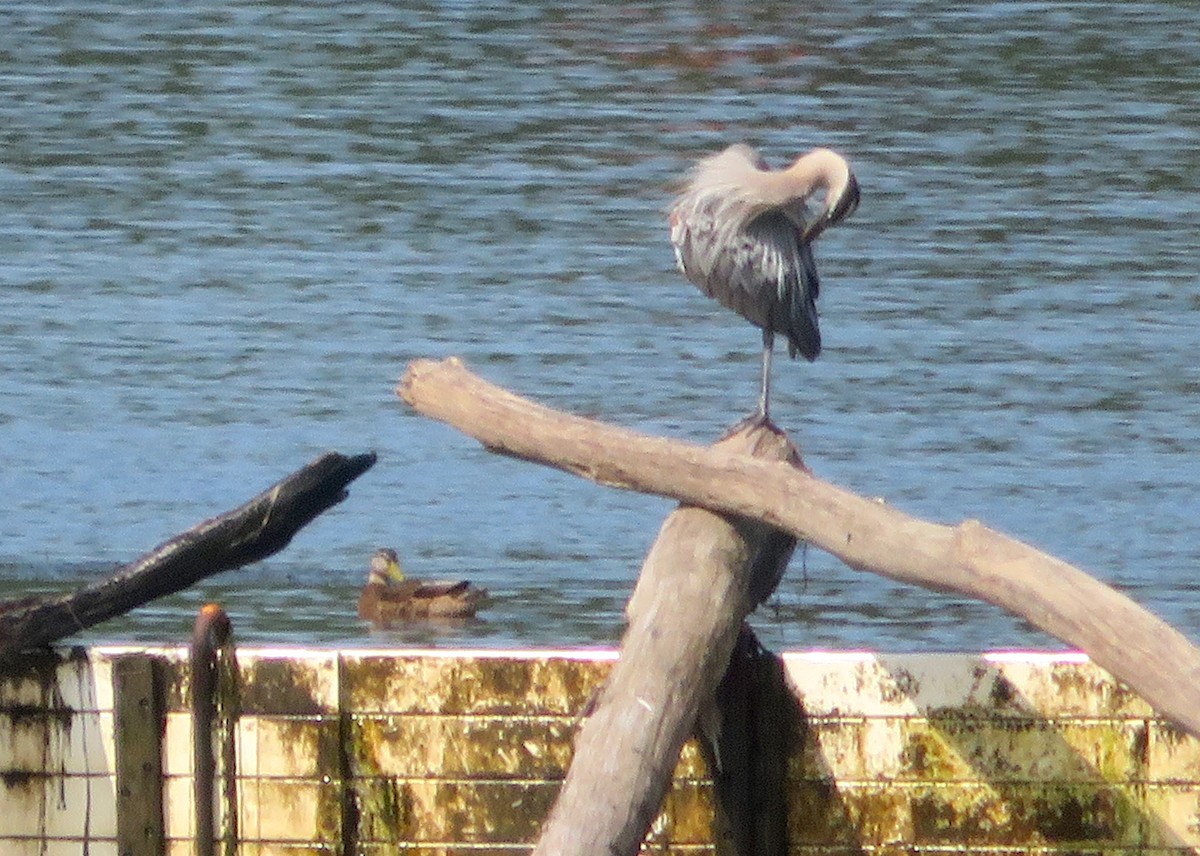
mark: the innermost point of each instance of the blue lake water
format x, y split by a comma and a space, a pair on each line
226, 229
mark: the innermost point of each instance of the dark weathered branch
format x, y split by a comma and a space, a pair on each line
1140, 649
262, 526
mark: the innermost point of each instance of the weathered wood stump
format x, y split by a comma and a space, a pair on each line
703, 576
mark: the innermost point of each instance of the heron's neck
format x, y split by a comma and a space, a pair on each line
817, 170
820, 169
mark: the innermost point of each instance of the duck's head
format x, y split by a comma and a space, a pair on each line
385, 567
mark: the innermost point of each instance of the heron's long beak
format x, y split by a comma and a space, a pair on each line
836, 211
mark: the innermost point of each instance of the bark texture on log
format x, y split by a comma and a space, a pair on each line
1153, 658
253, 531
695, 590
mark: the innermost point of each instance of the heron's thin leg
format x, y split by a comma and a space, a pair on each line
765, 394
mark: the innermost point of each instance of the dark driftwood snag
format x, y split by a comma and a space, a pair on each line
762, 728
255, 530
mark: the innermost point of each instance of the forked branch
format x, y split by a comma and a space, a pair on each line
1140, 649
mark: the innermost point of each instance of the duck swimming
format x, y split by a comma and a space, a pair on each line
389, 596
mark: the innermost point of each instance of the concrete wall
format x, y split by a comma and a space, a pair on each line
430, 752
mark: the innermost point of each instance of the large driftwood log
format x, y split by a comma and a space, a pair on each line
702, 577
1150, 656
255, 530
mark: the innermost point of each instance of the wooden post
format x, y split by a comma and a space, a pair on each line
139, 720
214, 719
702, 577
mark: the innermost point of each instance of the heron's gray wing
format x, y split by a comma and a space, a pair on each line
760, 269
788, 283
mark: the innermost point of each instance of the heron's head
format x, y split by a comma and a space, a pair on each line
842, 203
826, 168
385, 567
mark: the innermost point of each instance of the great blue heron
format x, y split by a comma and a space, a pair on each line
743, 235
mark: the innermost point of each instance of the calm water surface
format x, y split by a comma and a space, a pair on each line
225, 230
